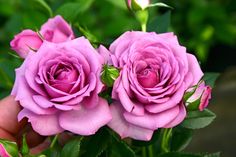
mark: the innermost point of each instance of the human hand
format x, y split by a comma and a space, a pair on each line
13, 130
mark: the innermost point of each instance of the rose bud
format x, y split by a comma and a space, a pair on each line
8, 149
198, 97
25, 41
109, 75
137, 4
55, 30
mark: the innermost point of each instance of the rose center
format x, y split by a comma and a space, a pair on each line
63, 77
148, 78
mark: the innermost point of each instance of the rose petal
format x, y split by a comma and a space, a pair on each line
124, 128
153, 121
173, 101
86, 121
179, 118
45, 125
194, 70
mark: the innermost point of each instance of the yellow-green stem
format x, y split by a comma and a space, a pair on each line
54, 140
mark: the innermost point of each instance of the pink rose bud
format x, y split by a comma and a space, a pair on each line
57, 30
25, 41
137, 4
201, 94
8, 149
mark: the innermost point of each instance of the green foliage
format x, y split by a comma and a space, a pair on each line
11, 147
72, 148
181, 137
160, 23
198, 119
71, 10
210, 78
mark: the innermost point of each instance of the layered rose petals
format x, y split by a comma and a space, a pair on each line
155, 73
58, 88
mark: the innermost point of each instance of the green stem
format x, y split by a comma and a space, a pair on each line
54, 140
165, 143
144, 153
144, 27
142, 17
150, 151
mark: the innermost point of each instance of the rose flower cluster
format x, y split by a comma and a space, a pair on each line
59, 82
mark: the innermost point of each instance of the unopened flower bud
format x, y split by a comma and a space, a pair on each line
8, 149
137, 4
109, 75
197, 97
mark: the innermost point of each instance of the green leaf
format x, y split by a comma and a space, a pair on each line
179, 154
45, 6
198, 119
71, 10
118, 3
72, 148
181, 138
95, 145
159, 5
118, 147
92, 38
210, 78
160, 24
52, 152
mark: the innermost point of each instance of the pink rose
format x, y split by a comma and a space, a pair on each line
24, 41
58, 88
57, 30
155, 72
54, 30
200, 97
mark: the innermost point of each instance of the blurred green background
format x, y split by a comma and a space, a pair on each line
206, 27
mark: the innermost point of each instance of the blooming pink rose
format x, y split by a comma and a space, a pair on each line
155, 72
24, 41
58, 88
54, 30
201, 96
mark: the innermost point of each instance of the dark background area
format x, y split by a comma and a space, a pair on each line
206, 27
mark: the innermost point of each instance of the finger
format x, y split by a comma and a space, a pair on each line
5, 135
9, 109
39, 148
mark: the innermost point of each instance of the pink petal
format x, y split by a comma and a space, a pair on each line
57, 30
128, 104
124, 128
43, 124
86, 121
173, 101
25, 96
179, 118
194, 70
153, 121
